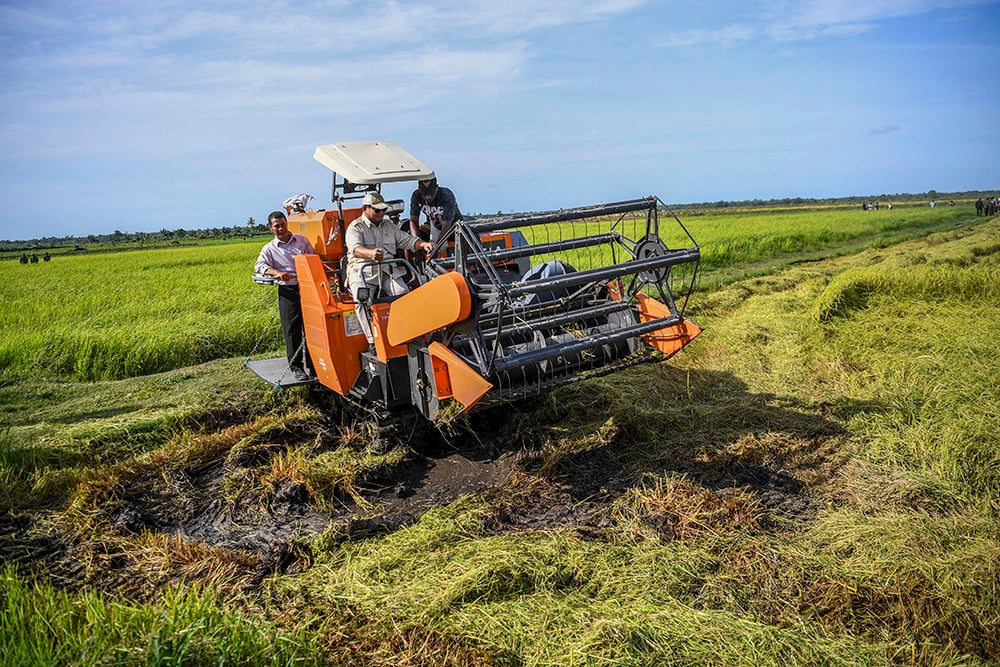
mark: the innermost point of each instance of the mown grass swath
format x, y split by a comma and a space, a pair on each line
813, 482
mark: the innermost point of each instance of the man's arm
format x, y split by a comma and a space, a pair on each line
449, 206
415, 213
263, 262
373, 254
356, 245
412, 242
265, 265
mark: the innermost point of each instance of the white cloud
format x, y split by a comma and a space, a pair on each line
723, 36
820, 13
790, 21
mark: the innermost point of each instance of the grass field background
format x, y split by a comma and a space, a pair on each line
118, 315
108, 316
860, 364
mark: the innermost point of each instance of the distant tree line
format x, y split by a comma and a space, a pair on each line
163, 237
252, 228
897, 198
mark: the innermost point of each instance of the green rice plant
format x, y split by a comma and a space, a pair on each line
40, 626
136, 313
111, 316
735, 246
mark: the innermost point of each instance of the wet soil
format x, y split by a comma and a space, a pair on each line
269, 530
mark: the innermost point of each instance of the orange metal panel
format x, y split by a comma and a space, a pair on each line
333, 335
615, 289
435, 304
322, 228
453, 378
384, 349
668, 340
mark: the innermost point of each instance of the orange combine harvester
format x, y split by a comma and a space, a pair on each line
506, 307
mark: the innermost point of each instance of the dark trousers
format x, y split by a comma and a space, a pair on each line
290, 310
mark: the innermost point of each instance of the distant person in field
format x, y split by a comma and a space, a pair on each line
439, 208
371, 238
277, 258
979, 207
34, 258
46, 257
24, 259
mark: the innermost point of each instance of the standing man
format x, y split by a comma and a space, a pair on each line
438, 205
371, 238
277, 258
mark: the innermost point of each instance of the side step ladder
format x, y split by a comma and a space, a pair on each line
276, 373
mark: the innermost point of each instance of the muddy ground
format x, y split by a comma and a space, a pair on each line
268, 531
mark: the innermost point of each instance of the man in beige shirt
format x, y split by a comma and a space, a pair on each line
371, 238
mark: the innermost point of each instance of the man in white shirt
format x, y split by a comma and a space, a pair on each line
277, 258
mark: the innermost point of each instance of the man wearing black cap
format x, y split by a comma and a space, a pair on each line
438, 205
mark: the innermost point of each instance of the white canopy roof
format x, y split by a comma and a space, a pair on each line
366, 162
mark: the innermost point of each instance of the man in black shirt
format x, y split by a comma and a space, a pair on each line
439, 207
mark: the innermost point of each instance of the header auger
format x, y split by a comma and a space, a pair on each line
506, 307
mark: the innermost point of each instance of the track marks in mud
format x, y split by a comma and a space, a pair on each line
241, 521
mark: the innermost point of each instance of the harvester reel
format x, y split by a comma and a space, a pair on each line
652, 246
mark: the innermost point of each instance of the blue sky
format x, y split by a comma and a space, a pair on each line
134, 117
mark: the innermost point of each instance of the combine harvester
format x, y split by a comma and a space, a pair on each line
506, 308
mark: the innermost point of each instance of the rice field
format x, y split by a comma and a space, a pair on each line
110, 316
813, 481
740, 240
118, 315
